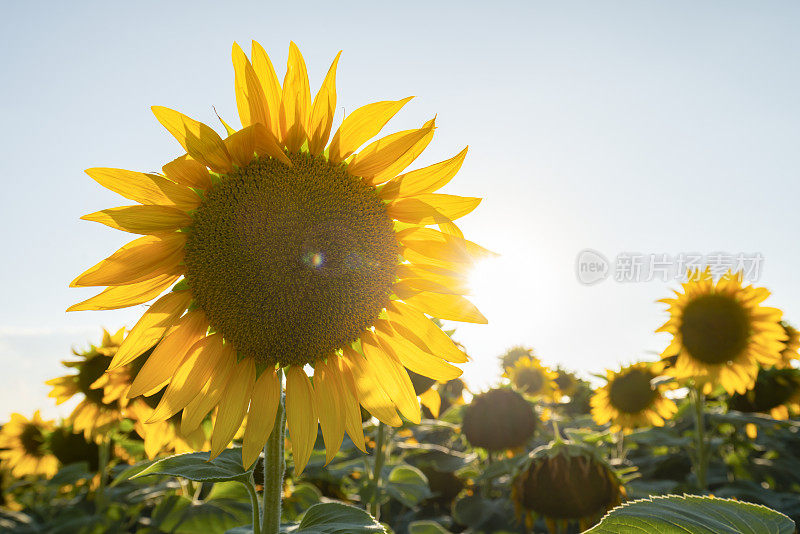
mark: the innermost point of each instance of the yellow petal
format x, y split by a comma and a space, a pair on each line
431, 208
200, 141
139, 260
328, 395
440, 246
269, 83
250, 99
148, 219
407, 158
261, 417
188, 172
432, 401
209, 396
449, 307
151, 327
456, 282
413, 357
423, 332
350, 404
372, 162
267, 145
116, 297
322, 111
145, 188
370, 392
425, 180
362, 125
233, 405
393, 378
295, 101
195, 371
242, 146
301, 416
169, 354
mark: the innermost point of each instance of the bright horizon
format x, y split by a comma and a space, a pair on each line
622, 128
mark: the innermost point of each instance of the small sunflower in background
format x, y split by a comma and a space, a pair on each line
527, 375
294, 252
510, 357
566, 383
94, 414
776, 392
565, 483
24, 445
789, 354
498, 420
70, 447
721, 332
629, 400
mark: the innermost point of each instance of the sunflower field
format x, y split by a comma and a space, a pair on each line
296, 367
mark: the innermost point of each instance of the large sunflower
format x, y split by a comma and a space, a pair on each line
24, 446
293, 252
630, 400
721, 332
96, 411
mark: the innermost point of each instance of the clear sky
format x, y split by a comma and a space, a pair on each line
638, 127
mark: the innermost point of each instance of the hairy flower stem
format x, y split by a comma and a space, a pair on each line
375, 502
274, 467
251, 492
701, 453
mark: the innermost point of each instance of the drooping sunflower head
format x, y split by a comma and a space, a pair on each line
530, 377
283, 251
789, 354
630, 399
499, 419
566, 382
510, 357
565, 483
776, 392
96, 411
25, 447
721, 332
70, 447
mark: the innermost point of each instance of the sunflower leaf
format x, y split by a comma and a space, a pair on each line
337, 518
197, 467
692, 514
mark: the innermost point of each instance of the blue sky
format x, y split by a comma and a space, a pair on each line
618, 126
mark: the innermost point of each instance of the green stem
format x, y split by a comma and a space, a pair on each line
701, 467
274, 467
104, 453
487, 484
374, 505
251, 492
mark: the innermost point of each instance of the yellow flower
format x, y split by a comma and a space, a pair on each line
776, 392
529, 376
96, 412
25, 449
510, 357
789, 354
721, 332
629, 400
294, 252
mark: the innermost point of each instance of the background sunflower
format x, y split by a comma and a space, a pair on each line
24, 447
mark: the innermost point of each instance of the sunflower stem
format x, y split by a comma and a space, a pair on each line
104, 453
274, 467
701, 456
375, 502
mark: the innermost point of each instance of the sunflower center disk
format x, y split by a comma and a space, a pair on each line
291, 263
90, 371
32, 440
715, 329
632, 392
529, 380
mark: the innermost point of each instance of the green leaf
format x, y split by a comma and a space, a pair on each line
337, 518
196, 466
692, 514
426, 527
408, 485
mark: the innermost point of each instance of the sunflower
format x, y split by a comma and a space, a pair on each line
789, 354
776, 392
565, 483
630, 400
509, 357
530, 377
281, 251
95, 413
498, 420
24, 446
566, 383
721, 332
